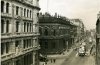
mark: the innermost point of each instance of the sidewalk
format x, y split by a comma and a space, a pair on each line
59, 58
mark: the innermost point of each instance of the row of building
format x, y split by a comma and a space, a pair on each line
98, 40
25, 34
58, 33
19, 32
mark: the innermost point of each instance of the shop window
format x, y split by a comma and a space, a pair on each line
7, 7
2, 6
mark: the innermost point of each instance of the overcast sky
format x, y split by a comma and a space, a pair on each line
86, 10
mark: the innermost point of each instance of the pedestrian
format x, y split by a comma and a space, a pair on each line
51, 60
44, 63
54, 60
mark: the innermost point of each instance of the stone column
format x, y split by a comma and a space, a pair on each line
20, 26
5, 26
26, 27
13, 46
21, 45
5, 7
4, 48
10, 9
34, 58
10, 26
32, 27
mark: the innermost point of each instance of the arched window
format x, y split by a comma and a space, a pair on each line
17, 10
24, 12
2, 26
27, 13
7, 26
7, 7
30, 13
46, 32
2, 6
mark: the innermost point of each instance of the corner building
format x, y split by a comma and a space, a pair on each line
54, 34
19, 32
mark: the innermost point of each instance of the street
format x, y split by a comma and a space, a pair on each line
74, 59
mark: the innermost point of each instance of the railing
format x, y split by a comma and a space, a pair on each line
17, 34
6, 56
6, 14
5, 34
27, 18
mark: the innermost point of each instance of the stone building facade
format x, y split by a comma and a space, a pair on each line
19, 32
98, 40
79, 29
54, 34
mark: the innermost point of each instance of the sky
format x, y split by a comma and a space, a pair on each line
86, 10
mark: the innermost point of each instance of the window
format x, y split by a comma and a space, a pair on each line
2, 6
7, 47
30, 13
24, 12
2, 26
37, 14
30, 27
54, 45
17, 10
7, 26
17, 43
7, 7
46, 32
17, 26
27, 27
40, 31
46, 45
24, 26
54, 32
27, 13
2, 48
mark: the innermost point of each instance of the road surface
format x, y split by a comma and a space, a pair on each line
74, 59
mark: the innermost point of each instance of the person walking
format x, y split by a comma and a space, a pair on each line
54, 60
51, 60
